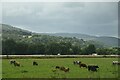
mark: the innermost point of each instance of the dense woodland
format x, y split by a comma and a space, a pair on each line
10, 46
16, 41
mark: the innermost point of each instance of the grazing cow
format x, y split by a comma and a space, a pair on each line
76, 62
12, 61
35, 63
66, 70
62, 68
57, 67
83, 65
92, 68
116, 63
17, 64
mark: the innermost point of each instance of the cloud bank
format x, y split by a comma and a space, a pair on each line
93, 18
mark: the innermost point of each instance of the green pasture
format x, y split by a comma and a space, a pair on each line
46, 67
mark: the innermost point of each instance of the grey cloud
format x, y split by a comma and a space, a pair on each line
74, 4
86, 17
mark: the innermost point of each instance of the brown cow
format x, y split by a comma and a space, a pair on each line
17, 64
66, 70
62, 68
83, 65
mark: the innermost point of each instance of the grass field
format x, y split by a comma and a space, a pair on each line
45, 67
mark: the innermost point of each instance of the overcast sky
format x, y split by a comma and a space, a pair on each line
93, 18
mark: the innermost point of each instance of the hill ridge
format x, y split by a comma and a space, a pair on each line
107, 40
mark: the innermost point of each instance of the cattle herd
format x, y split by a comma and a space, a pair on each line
90, 67
16, 63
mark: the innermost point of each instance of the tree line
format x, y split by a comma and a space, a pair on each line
12, 47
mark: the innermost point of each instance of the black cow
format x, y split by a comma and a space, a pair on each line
57, 67
83, 65
35, 63
12, 61
92, 68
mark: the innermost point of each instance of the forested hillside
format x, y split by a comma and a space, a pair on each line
107, 41
17, 41
77, 35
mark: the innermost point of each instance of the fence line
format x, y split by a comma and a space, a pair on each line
59, 56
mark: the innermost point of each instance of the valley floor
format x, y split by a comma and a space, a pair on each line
46, 67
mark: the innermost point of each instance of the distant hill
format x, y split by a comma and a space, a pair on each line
8, 29
77, 35
108, 41
17, 33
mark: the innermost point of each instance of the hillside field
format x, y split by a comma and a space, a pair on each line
46, 66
